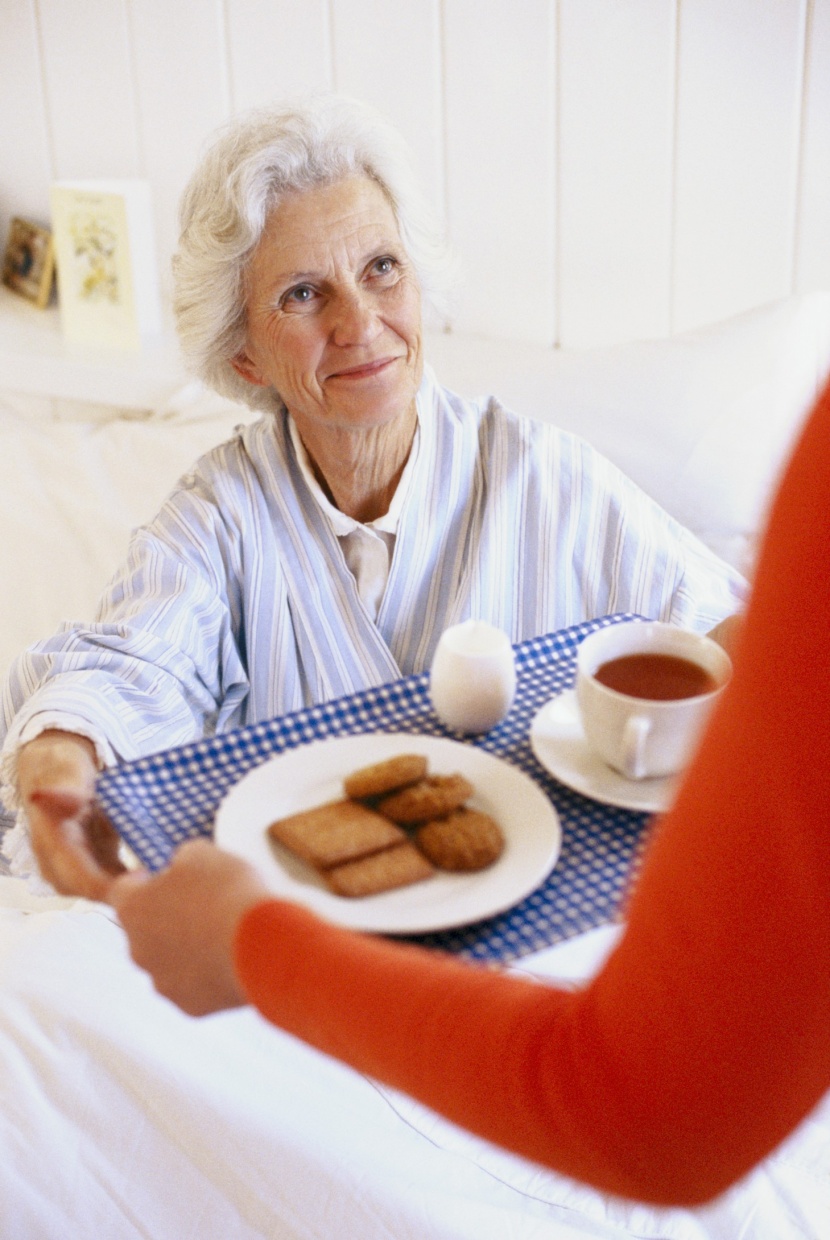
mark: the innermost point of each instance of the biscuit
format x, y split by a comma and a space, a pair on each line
432, 797
336, 832
382, 871
464, 841
382, 777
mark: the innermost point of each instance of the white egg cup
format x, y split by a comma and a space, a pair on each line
473, 677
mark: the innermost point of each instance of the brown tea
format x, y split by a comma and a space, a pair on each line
658, 677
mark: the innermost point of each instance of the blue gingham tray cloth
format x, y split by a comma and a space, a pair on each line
159, 801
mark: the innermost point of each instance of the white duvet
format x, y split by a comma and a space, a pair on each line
123, 1118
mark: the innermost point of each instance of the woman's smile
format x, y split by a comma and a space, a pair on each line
366, 370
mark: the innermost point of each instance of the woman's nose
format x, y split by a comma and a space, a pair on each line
354, 318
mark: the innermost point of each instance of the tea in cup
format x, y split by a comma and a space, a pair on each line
644, 692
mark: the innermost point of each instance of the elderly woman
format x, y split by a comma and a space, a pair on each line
326, 547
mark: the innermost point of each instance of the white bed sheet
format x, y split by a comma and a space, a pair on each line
121, 1117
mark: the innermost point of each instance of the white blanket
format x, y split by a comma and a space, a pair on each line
121, 1118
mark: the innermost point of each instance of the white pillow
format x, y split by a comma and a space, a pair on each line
702, 422
70, 493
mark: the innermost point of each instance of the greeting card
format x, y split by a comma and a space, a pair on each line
107, 269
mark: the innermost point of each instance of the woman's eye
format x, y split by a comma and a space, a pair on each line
300, 295
385, 265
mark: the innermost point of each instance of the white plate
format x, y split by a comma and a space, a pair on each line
313, 774
557, 740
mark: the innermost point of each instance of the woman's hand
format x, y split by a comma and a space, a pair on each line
726, 633
75, 845
181, 924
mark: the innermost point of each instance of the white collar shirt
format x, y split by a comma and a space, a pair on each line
367, 548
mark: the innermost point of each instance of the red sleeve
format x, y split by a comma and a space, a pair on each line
706, 1037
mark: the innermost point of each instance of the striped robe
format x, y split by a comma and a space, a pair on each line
235, 604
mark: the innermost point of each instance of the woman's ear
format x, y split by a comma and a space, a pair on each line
247, 369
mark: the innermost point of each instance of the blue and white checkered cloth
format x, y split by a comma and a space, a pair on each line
159, 801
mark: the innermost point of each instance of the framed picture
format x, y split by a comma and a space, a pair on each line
28, 264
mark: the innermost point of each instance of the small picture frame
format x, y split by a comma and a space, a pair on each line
29, 261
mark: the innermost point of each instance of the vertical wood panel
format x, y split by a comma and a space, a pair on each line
739, 102
500, 91
616, 125
813, 221
390, 55
180, 59
24, 144
278, 48
133, 87
89, 88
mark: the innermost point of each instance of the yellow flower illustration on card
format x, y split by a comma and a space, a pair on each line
95, 258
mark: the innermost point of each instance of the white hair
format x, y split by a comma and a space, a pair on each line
251, 164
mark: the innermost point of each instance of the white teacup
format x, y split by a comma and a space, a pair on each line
473, 676
646, 720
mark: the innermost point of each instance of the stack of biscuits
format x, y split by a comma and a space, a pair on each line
396, 825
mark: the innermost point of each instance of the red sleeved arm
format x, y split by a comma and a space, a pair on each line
706, 1037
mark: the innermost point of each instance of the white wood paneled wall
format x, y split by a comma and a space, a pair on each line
608, 169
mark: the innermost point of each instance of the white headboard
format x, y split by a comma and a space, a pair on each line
609, 169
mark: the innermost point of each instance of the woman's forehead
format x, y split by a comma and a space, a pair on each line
306, 226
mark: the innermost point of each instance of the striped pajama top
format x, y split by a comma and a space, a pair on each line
235, 603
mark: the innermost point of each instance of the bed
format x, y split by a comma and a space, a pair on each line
121, 1117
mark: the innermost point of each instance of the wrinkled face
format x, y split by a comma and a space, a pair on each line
334, 309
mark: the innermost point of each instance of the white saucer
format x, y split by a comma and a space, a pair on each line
557, 740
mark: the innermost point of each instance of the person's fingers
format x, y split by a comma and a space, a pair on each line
199, 852
104, 841
56, 760
71, 870
186, 964
124, 887
57, 803
75, 845
180, 924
